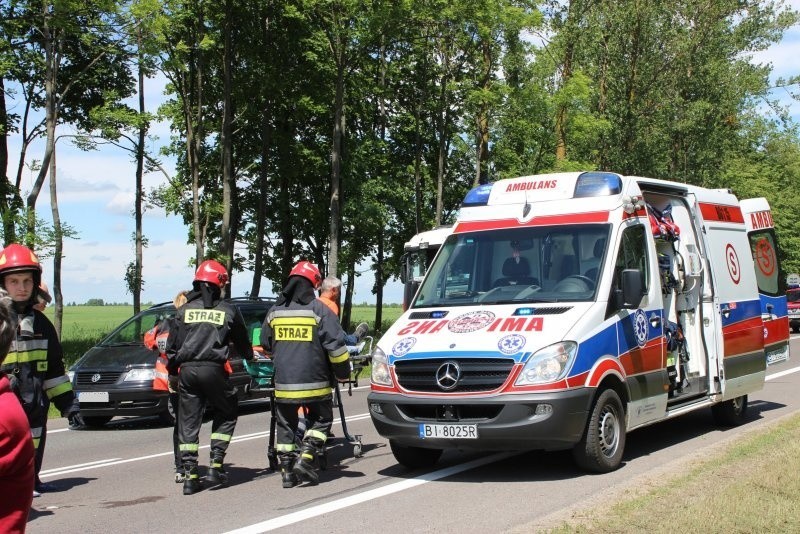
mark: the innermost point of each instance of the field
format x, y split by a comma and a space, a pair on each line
83, 326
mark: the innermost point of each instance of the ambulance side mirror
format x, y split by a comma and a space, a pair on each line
629, 296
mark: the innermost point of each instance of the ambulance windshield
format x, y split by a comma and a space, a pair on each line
517, 265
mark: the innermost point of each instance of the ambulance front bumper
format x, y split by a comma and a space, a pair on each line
549, 421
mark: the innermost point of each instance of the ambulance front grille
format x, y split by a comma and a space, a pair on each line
476, 374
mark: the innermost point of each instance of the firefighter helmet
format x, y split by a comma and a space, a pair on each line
19, 258
307, 270
212, 272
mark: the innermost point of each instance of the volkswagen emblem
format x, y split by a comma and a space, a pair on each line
447, 375
95, 377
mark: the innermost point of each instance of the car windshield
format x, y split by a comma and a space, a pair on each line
517, 265
793, 295
132, 331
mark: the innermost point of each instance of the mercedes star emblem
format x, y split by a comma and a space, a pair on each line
95, 377
447, 375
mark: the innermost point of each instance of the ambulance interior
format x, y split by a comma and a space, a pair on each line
535, 264
681, 273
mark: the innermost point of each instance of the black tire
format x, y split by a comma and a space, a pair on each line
603, 442
96, 421
730, 412
167, 417
796, 329
414, 457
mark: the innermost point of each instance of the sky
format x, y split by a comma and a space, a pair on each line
96, 195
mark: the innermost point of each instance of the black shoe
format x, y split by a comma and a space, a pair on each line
43, 487
217, 476
361, 330
191, 482
304, 470
288, 478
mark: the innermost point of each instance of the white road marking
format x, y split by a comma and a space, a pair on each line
118, 461
376, 493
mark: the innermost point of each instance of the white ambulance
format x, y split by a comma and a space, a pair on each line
418, 253
568, 309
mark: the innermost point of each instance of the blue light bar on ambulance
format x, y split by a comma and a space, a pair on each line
524, 311
597, 184
478, 196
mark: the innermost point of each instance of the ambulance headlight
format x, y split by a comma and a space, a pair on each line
549, 364
139, 375
380, 368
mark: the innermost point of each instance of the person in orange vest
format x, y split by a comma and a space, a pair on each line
156, 339
330, 291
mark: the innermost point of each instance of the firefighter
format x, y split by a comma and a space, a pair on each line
306, 343
156, 339
198, 347
35, 363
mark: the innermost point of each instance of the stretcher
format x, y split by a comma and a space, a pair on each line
262, 373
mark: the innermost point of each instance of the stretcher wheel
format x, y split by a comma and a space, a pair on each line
272, 459
357, 449
323, 461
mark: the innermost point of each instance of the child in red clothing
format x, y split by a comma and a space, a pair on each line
16, 446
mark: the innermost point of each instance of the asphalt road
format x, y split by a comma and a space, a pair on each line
120, 480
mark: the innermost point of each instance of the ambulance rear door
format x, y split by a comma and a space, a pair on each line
772, 295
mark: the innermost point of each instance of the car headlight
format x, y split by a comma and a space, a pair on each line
71, 376
380, 368
549, 364
139, 375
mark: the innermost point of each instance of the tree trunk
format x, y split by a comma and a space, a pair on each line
137, 283
5, 190
58, 312
336, 164
228, 180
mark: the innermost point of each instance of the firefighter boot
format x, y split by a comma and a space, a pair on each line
191, 482
304, 466
216, 475
287, 475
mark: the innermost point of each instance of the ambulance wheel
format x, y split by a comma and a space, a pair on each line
96, 421
414, 457
603, 442
730, 412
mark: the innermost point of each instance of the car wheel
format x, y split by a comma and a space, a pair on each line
600, 450
167, 416
730, 412
414, 457
96, 421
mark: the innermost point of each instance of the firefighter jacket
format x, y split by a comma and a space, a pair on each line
201, 335
35, 367
306, 342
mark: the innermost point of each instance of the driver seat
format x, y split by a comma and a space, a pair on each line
516, 272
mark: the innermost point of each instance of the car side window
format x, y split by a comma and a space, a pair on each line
633, 254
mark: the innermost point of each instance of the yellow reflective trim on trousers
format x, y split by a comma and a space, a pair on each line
316, 434
27, 356
58, 390
36, 443
303, 394
281, 321
339, 359
221, 437
190, 447
285, 447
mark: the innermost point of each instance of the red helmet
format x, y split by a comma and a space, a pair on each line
18, 258
212, 272
307, 270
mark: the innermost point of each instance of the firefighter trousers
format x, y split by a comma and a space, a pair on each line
319, 418
200, 384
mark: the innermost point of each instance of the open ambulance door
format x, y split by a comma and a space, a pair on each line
771, 290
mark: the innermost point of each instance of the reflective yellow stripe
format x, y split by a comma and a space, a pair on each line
36, 443
58, 390
280, 321
26, 356
191, 447
339, 359
221, 437
284, 447
316, 434
303, 394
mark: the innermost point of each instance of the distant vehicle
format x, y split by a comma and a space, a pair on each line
418, 254
115, 377
793, 298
